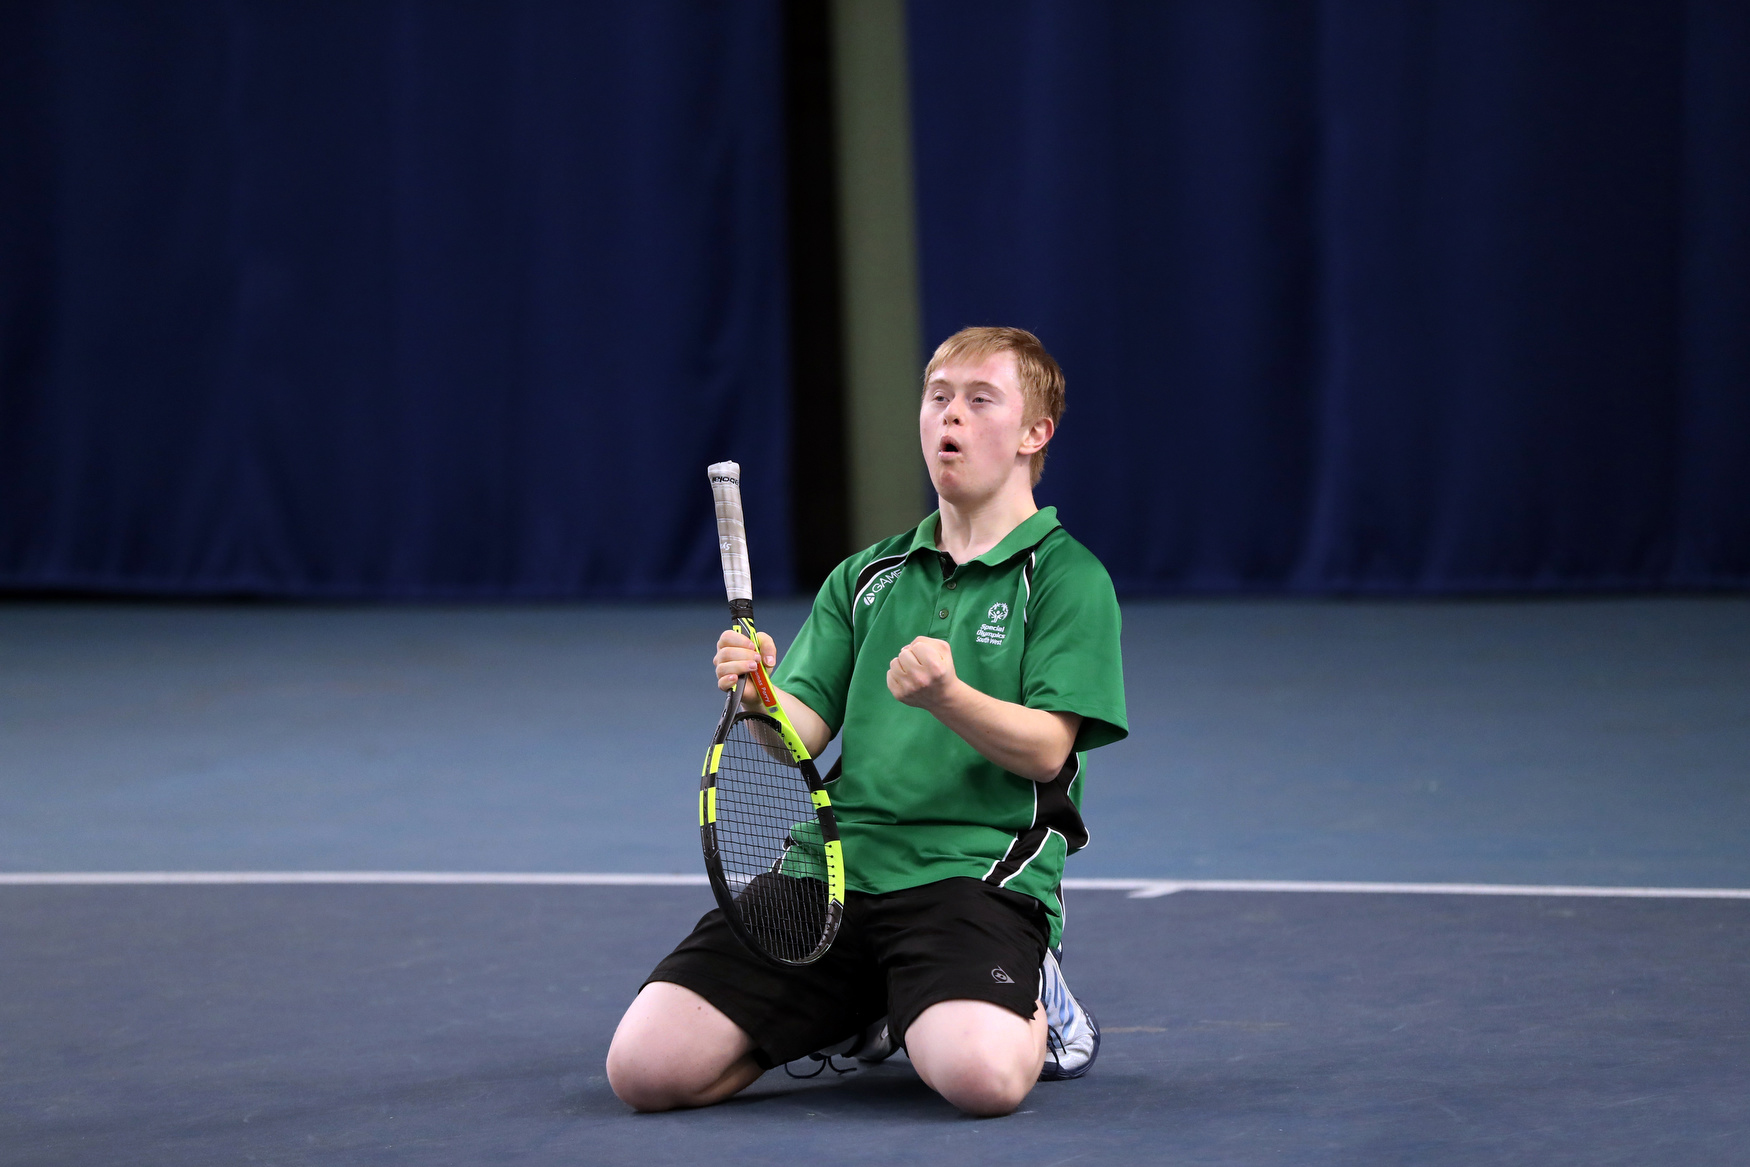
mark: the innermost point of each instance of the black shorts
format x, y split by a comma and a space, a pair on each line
896, 954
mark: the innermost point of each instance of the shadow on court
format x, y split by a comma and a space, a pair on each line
466, 1025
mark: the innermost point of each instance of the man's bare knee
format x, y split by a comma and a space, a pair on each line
635, 1084
674, 1049
644, 1083
980, 1057
986, 1091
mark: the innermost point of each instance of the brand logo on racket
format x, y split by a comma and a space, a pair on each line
1000, 977
998, 612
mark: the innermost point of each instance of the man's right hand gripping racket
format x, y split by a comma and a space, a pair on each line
766, 824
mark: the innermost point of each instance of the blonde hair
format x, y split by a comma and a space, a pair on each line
1042, 387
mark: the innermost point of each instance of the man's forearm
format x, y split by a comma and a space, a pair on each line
1034, 743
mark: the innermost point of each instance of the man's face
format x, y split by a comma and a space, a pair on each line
971, 427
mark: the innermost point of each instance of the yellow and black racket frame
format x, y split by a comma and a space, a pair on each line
773, 714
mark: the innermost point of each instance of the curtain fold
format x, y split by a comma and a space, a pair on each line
1362, 296
377, 299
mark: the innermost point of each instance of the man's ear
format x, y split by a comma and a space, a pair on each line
1037, 435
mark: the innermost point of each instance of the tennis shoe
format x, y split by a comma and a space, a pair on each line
875, 1044
872, 1044
1072, 1036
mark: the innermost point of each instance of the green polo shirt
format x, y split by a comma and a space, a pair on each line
1034, 621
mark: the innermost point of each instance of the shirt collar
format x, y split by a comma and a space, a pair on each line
1030, 530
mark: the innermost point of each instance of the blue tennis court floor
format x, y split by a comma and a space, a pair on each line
466, 1024
1591, 743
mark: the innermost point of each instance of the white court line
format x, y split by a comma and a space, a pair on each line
1139, 889
1147, 889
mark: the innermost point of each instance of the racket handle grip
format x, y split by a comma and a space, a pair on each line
732, 536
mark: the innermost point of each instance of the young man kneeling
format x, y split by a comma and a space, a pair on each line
970, 664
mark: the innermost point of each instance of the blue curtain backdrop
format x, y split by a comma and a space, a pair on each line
1362, 296
388, 299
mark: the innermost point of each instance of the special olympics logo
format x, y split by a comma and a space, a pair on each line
998, 612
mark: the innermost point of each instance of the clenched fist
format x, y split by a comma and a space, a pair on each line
922, 675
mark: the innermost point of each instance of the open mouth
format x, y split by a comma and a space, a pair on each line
948, 446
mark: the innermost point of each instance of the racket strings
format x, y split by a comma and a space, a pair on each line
768, 843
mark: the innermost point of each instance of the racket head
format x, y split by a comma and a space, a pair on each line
771, 843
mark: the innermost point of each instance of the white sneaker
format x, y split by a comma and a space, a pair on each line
1072, 1039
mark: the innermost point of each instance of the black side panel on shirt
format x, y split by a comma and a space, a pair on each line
1055, 813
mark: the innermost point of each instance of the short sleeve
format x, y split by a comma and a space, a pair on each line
817, 668
1073, 661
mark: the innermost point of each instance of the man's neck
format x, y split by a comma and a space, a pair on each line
967, 530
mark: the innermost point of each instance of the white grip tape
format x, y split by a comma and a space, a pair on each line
731, 533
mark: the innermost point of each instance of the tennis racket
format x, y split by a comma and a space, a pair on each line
771, 843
